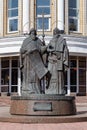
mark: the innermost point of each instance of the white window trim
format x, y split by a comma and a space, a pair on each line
11, 18
78, 27
45, 16
76, 17
8, 29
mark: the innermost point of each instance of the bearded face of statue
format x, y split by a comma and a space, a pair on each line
56, 31
33, 35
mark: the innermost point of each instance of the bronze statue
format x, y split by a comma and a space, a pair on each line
32, 66
34, 72
52, 102
57, 63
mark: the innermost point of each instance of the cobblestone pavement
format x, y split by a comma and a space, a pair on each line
62, 126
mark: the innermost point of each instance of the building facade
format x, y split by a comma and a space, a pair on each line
17, 17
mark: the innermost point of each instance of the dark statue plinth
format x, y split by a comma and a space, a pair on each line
42, 88
46, 105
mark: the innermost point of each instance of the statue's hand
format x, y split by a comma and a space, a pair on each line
21, 67
50, 49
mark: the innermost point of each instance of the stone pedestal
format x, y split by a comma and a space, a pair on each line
42, 104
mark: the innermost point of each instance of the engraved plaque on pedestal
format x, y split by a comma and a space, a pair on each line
42, 106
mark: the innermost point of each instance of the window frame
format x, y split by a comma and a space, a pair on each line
11, 18
38, 16
75, 17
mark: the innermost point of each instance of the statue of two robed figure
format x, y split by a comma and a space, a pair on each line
42, 78
41, 75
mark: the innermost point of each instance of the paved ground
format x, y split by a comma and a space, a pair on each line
64, 126
81, 103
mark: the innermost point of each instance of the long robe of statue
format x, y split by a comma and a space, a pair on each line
57, 63
35, 76
32, 66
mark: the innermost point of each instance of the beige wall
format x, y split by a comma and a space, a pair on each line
66, 17
82, 16
1, 17
20, 13
54, 19
32, 13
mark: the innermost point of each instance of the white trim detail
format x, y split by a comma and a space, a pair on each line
1, 17
61, 14
19, 82
68, 78
0, 75
26, 16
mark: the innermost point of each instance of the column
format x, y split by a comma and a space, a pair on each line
66, 16
86, 75
32, 13
9, 78
19, 82
60, 14
77, 84
1, 17
68, 78
84, 16
26, 16
0, 76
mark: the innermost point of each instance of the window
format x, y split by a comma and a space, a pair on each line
43, 15
9, 74
14, 75
73, 15
78, 74
82, 74
12, 15
73, 74
4, 75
